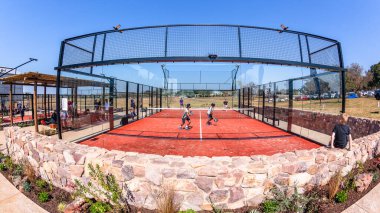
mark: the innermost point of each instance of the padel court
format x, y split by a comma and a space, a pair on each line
235, 134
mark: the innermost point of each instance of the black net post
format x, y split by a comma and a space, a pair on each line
126, 99
138, 101
239, 103
263, 108
249, 100
160, 97
274, 103
110, 108
290, 107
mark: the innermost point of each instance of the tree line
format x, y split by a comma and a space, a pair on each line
358, 79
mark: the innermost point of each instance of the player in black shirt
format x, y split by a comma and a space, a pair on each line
341, 134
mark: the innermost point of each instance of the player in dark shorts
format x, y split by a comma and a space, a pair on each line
186, 117
210, 112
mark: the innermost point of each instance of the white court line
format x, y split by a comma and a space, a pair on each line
200, 126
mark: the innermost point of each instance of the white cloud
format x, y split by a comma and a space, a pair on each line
142, 72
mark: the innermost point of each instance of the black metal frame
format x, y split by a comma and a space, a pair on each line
240, 59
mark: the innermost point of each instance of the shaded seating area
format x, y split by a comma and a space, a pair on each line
43, 108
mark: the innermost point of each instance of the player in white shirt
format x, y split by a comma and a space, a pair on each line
210, 112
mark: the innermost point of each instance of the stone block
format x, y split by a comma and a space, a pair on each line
218, 196
204, 183
299, 179
236, 194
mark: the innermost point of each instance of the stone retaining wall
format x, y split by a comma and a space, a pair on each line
231, 182
323, 122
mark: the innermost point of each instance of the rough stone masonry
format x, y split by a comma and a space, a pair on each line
230, 182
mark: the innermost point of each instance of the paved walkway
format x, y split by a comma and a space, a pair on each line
368, 204
12, 200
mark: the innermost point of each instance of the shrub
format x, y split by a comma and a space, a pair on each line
270, 206
376, 176
26, 186
18, 170
187, 211
1, 154
40, 183
100, 207
293, 203
2, 167
360, 167
103, 186
334, 184
165, 200
43, 197
341, 196
8, 162
61, 207
29, 171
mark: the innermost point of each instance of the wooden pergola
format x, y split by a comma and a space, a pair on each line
45, 80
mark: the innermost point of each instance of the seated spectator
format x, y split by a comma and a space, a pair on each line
341, 136
53, 118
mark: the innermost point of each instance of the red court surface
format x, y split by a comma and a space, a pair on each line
234, 135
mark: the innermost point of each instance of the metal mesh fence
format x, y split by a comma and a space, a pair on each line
197, 42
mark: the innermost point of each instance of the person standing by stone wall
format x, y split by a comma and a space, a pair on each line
341, 135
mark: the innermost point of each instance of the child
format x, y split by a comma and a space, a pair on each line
341, 134
209, 113
186, 117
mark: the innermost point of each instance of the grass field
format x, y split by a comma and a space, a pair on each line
358, 107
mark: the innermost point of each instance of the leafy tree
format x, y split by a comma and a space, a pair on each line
354, 77
375, 72
310, 87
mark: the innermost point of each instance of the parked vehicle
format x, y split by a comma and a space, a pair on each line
377, 94
302, 98
351, 95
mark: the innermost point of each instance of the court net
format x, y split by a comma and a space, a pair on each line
235, 113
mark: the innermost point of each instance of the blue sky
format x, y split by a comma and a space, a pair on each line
35, 28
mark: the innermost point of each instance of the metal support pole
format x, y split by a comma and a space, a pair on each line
57, 93
45, 101
274, 104
104, 45
308, 49
32, 105
160, 98
93, 52
343, 78
239, 37
249, 101
138, 101
110, 108
10, 103
85, 102
290, 108
300, 46
239, 104
126, 99
263, 114
35, 107
166, 42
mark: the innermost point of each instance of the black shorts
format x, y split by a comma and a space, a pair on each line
210, 116
185, 119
